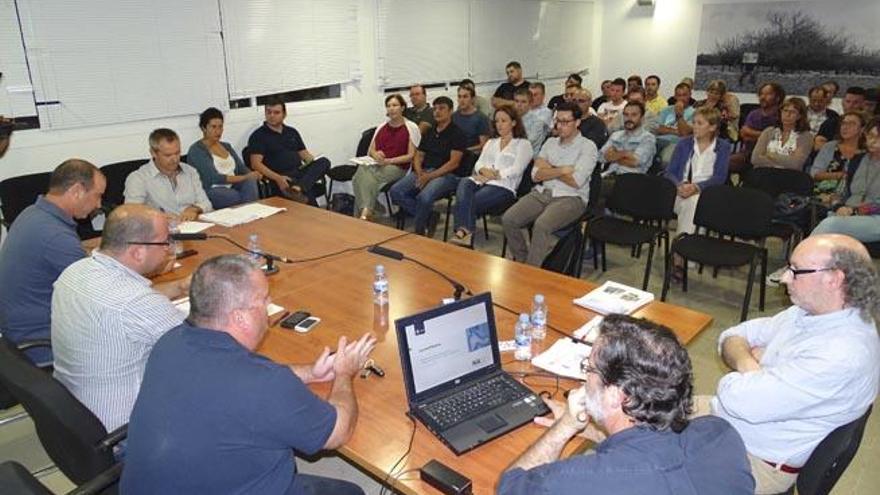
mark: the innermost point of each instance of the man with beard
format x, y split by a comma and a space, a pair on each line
638, 391
770, 96
106, 315
629, 150
504, 94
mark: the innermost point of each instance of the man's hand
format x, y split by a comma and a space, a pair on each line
679, 110
422, 180
844, 211
190, 213
612, 155
351, 356
254, 175
322, 370
758, 353
380, 157
686, 189
566, 169
283, 182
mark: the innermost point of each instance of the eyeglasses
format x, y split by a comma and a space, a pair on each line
806, 271
166, 243
587, 368
564, 121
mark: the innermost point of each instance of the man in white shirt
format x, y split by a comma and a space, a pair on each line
610, 109
562, 171
808, 370
106, 315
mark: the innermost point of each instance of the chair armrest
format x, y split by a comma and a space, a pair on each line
114, 437
99, 483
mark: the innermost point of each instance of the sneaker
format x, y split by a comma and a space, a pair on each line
462, 238
775, 278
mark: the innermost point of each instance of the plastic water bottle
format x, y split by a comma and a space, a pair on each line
380, 287
174, 228
254, 247
539, 318
523, 339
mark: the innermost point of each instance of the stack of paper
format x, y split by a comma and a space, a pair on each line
612, 297
182, 305
363, 160
590, 331
193, 227
230, 217
564, 358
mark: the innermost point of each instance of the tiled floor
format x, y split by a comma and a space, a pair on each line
719, 297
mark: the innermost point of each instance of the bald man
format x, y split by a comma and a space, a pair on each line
106, 315
808, 370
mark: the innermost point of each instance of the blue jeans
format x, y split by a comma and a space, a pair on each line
419, 203
318, 485
864, 228
243, 192
473, 200
306, 177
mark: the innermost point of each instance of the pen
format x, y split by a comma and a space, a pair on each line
281, 318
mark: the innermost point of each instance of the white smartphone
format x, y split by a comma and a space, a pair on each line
307, 325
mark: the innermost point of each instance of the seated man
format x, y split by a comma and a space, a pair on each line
504, 94
536, 124
605, 87
809, 369
278, 152
653, 101
215, 417
537, 91
562, 171
165, 183
852, 102
818, 111
573, 79
591, 126
673, 123
472, 123
609, 110
482, 104
638, 390
106, 316
433, 172
40, 245
628, 151
419, 111
770, 97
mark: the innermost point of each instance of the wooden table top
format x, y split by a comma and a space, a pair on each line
338, 289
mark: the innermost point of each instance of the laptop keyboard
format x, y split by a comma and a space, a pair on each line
474, 400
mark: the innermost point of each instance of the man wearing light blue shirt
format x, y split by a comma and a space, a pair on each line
809, 369
628, 151
673, 123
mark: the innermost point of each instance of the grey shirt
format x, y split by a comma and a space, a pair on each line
581, 153
105, 320
147, 185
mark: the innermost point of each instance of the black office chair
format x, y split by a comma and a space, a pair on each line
17, 193
73, 436
735, 212
7, 400
776, 181
873, 249
648, 200
116, 173
15, 479
831, 458
345, 173
566, 257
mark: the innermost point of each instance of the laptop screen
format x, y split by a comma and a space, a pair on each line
447, 343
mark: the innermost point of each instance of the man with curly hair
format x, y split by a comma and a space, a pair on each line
638, 390
808, 370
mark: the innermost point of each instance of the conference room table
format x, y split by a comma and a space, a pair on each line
338, 289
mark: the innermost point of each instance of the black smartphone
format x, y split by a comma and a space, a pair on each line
294, 318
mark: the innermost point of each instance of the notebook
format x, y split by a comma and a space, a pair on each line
452, 372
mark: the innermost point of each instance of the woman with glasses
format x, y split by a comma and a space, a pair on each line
496, 176
858, 215
727, 105
225, 178
839, 158
788, 143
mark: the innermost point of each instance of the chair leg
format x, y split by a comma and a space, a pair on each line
327, 194
595, 253
648, 265
504, 247
684, 275
604, 258
751, 280
446, 222
486, 227
763, 281
667, 273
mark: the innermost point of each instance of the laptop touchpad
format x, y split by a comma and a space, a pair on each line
491, 423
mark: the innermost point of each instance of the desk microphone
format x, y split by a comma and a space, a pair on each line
201, 236
198, 236
397, 255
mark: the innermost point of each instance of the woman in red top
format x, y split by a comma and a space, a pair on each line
392, 149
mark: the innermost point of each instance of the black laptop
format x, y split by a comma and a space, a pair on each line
453, 376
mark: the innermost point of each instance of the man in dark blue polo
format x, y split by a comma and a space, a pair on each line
278, 152
214, 417
638, 390
434, 171
42, 242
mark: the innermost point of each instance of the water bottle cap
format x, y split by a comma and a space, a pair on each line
524, 318
539, 298
253, 237
380, 269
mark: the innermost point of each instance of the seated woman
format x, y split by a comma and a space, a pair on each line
699, 161
225, 178
727, 105
839, 158
787, 144
496, 176
393, 147
858, 215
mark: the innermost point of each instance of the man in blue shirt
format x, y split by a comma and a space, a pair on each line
214, 417
41, 243
638, 389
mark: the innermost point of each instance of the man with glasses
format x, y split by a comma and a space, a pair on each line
562, 173
808, 370
106, 314
635, 405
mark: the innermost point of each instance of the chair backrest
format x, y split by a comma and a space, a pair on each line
67, 429
595, 192
737, 211
775, 181
643, 197
566, 253
116, 173
831, 458
364, 144
466, 166
526, 183
17, 193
